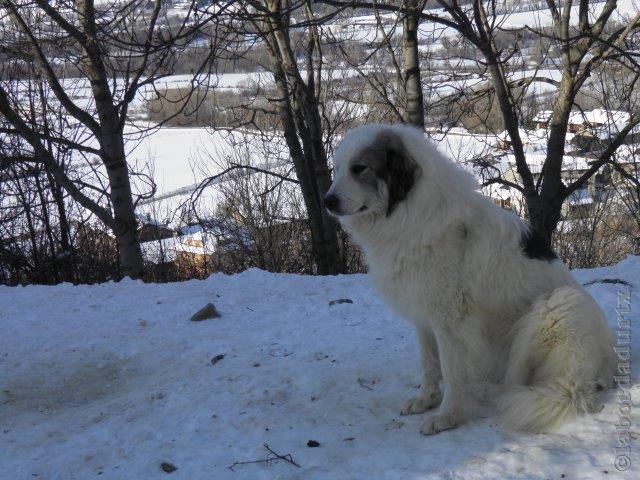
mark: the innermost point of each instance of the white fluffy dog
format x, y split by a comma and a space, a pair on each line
495, 311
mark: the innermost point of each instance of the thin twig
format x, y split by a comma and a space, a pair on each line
364, 385
608, 280
276, 456
286, 457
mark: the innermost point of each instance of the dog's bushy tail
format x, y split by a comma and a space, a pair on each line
560, 363
536, 408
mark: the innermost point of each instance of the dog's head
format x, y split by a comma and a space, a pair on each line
373, 172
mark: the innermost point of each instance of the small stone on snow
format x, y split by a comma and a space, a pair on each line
339, 301
168, 467
206, 312
217, 358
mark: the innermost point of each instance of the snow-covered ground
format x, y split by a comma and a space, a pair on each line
114, 380
176, 161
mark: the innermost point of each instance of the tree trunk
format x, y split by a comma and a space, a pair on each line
66, 266
302, 126
125, 225
324, 238
414, 102
546, 213
48, 231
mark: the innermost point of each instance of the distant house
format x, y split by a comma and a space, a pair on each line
542, 119
150, 229
579, 203
573, 167
196, 246
532, 140
588, 132
590, 128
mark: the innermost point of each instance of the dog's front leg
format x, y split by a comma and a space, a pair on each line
429, 396
454, 353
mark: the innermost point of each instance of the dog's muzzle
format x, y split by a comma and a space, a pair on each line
332, 203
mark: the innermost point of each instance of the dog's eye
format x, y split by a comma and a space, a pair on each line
358, 168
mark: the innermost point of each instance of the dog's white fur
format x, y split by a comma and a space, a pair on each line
490, 320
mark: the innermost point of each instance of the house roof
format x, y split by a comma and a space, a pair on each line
599, 122
536, 162
533, 141
527, 136
543, 116
219, 236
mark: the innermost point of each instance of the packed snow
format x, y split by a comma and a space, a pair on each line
115, 381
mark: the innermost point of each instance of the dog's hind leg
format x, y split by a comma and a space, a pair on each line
561, 361
429, 396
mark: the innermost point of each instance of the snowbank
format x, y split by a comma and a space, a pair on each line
113, 380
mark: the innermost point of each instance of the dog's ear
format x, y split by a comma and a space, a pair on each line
400, 170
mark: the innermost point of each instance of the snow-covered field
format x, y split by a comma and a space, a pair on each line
114, 380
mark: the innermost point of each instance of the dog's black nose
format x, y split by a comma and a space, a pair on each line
331, 202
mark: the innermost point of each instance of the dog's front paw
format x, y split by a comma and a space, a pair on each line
437, 422
421, 403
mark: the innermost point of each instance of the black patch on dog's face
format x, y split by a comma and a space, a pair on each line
390, 162
535, 246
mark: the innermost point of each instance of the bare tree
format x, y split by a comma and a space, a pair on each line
390, 67
289, 31
115, 53
585, 38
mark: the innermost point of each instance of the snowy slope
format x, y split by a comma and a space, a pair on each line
112, 380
